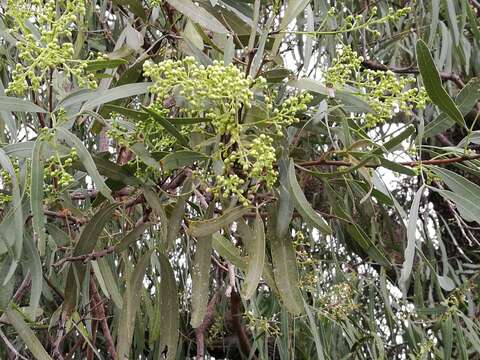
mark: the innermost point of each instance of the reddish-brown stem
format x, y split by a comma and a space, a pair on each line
237, 324
207, 320
100, 314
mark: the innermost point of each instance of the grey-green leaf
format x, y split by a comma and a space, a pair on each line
302, 204
198, 15
433, 84
200, 279
208, 227
409, 253
131, 301
169, 309
18, 105
256, 257
36, 197
28, 336
181, 158
86, 160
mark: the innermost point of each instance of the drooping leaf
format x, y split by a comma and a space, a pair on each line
168, 126
18, 105
85, 244
16, 213
101, 97
409, 253
198, 15
111, 282
227, 250
256, 257
169, 314
465, 193
433, 84
28, 336
131, 237
302, 204
131, 301
86, 159
210, 226
35, 266
179, 159
200, 279
36, 194
284, 267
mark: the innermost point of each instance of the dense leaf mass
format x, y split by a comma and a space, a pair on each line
258, 179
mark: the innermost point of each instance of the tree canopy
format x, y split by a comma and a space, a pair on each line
258, 179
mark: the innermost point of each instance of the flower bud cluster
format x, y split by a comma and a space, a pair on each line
222, 94
262, 325
359, 22
57, 169
5, 184
338, 303
49, 50
384, 91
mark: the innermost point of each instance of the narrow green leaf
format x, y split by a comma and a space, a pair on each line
36, 195
198, 15
465, 100
256, 257
445, 283
464, 189
131, 302
284, 267
409, 253
28, 336
447, 337
228, 251
433, 84
168, 126
86, 159
169, 310
110, 282
200, 279
181, 158
142, 153
302, 204
131, 237
16, 212
85, 244
18, 105
101, 97
95, 65
177, 214
35, 266
468, 96
210, 226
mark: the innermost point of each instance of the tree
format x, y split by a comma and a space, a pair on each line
239, 179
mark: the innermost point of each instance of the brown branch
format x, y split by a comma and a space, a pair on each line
86, 257
237, 325
99, 313
207, 320
372, 65
65, 216
22, 288
458, 159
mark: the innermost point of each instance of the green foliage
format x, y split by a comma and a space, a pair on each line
249, 179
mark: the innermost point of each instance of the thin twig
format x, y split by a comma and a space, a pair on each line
100, 313
372, 65
86, 257
207, 320
458, 159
